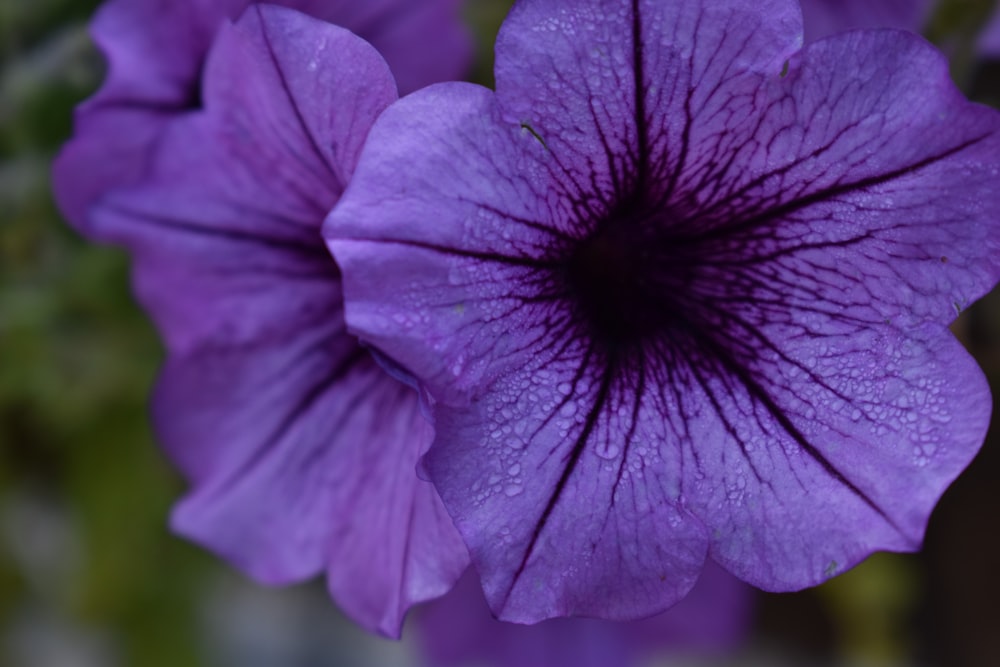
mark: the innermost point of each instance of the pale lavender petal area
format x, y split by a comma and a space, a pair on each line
822, 18
155, 50
458, 630
300, 450
678, 289
989, 39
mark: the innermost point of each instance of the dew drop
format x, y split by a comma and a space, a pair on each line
609, 452
516, 443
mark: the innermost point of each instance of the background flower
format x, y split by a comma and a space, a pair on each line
989, 43
822, 18
156, 52
300, 450
458, 630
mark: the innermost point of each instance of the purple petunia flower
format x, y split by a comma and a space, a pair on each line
458, 629
822, 18
156, 51
300, 450
680, 290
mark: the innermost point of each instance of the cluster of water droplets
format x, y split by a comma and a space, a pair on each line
877, 390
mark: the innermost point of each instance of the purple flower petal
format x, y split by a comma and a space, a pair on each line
673, 293
156, 50
301, 451
989, 39
822, 18
458, 629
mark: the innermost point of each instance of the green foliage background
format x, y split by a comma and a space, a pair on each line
83, 490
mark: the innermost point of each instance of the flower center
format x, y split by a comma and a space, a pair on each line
621, 284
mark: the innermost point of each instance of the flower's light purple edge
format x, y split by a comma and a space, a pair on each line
300, 450
422, 250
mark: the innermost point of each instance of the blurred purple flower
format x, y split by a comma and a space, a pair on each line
989, 39
677, 290
156, 51
458, 629
300, 450
822, 18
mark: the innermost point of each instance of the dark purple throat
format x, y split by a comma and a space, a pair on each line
628, 278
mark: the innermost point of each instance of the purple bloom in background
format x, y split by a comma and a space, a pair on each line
822, 18
300, 450
458, 629
156, 52
679, 290
989, 39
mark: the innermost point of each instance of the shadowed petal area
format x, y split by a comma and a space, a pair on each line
156, 50
300, 450
822, 18
458, 630
672, 293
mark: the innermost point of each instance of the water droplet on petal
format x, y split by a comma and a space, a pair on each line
608, 451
